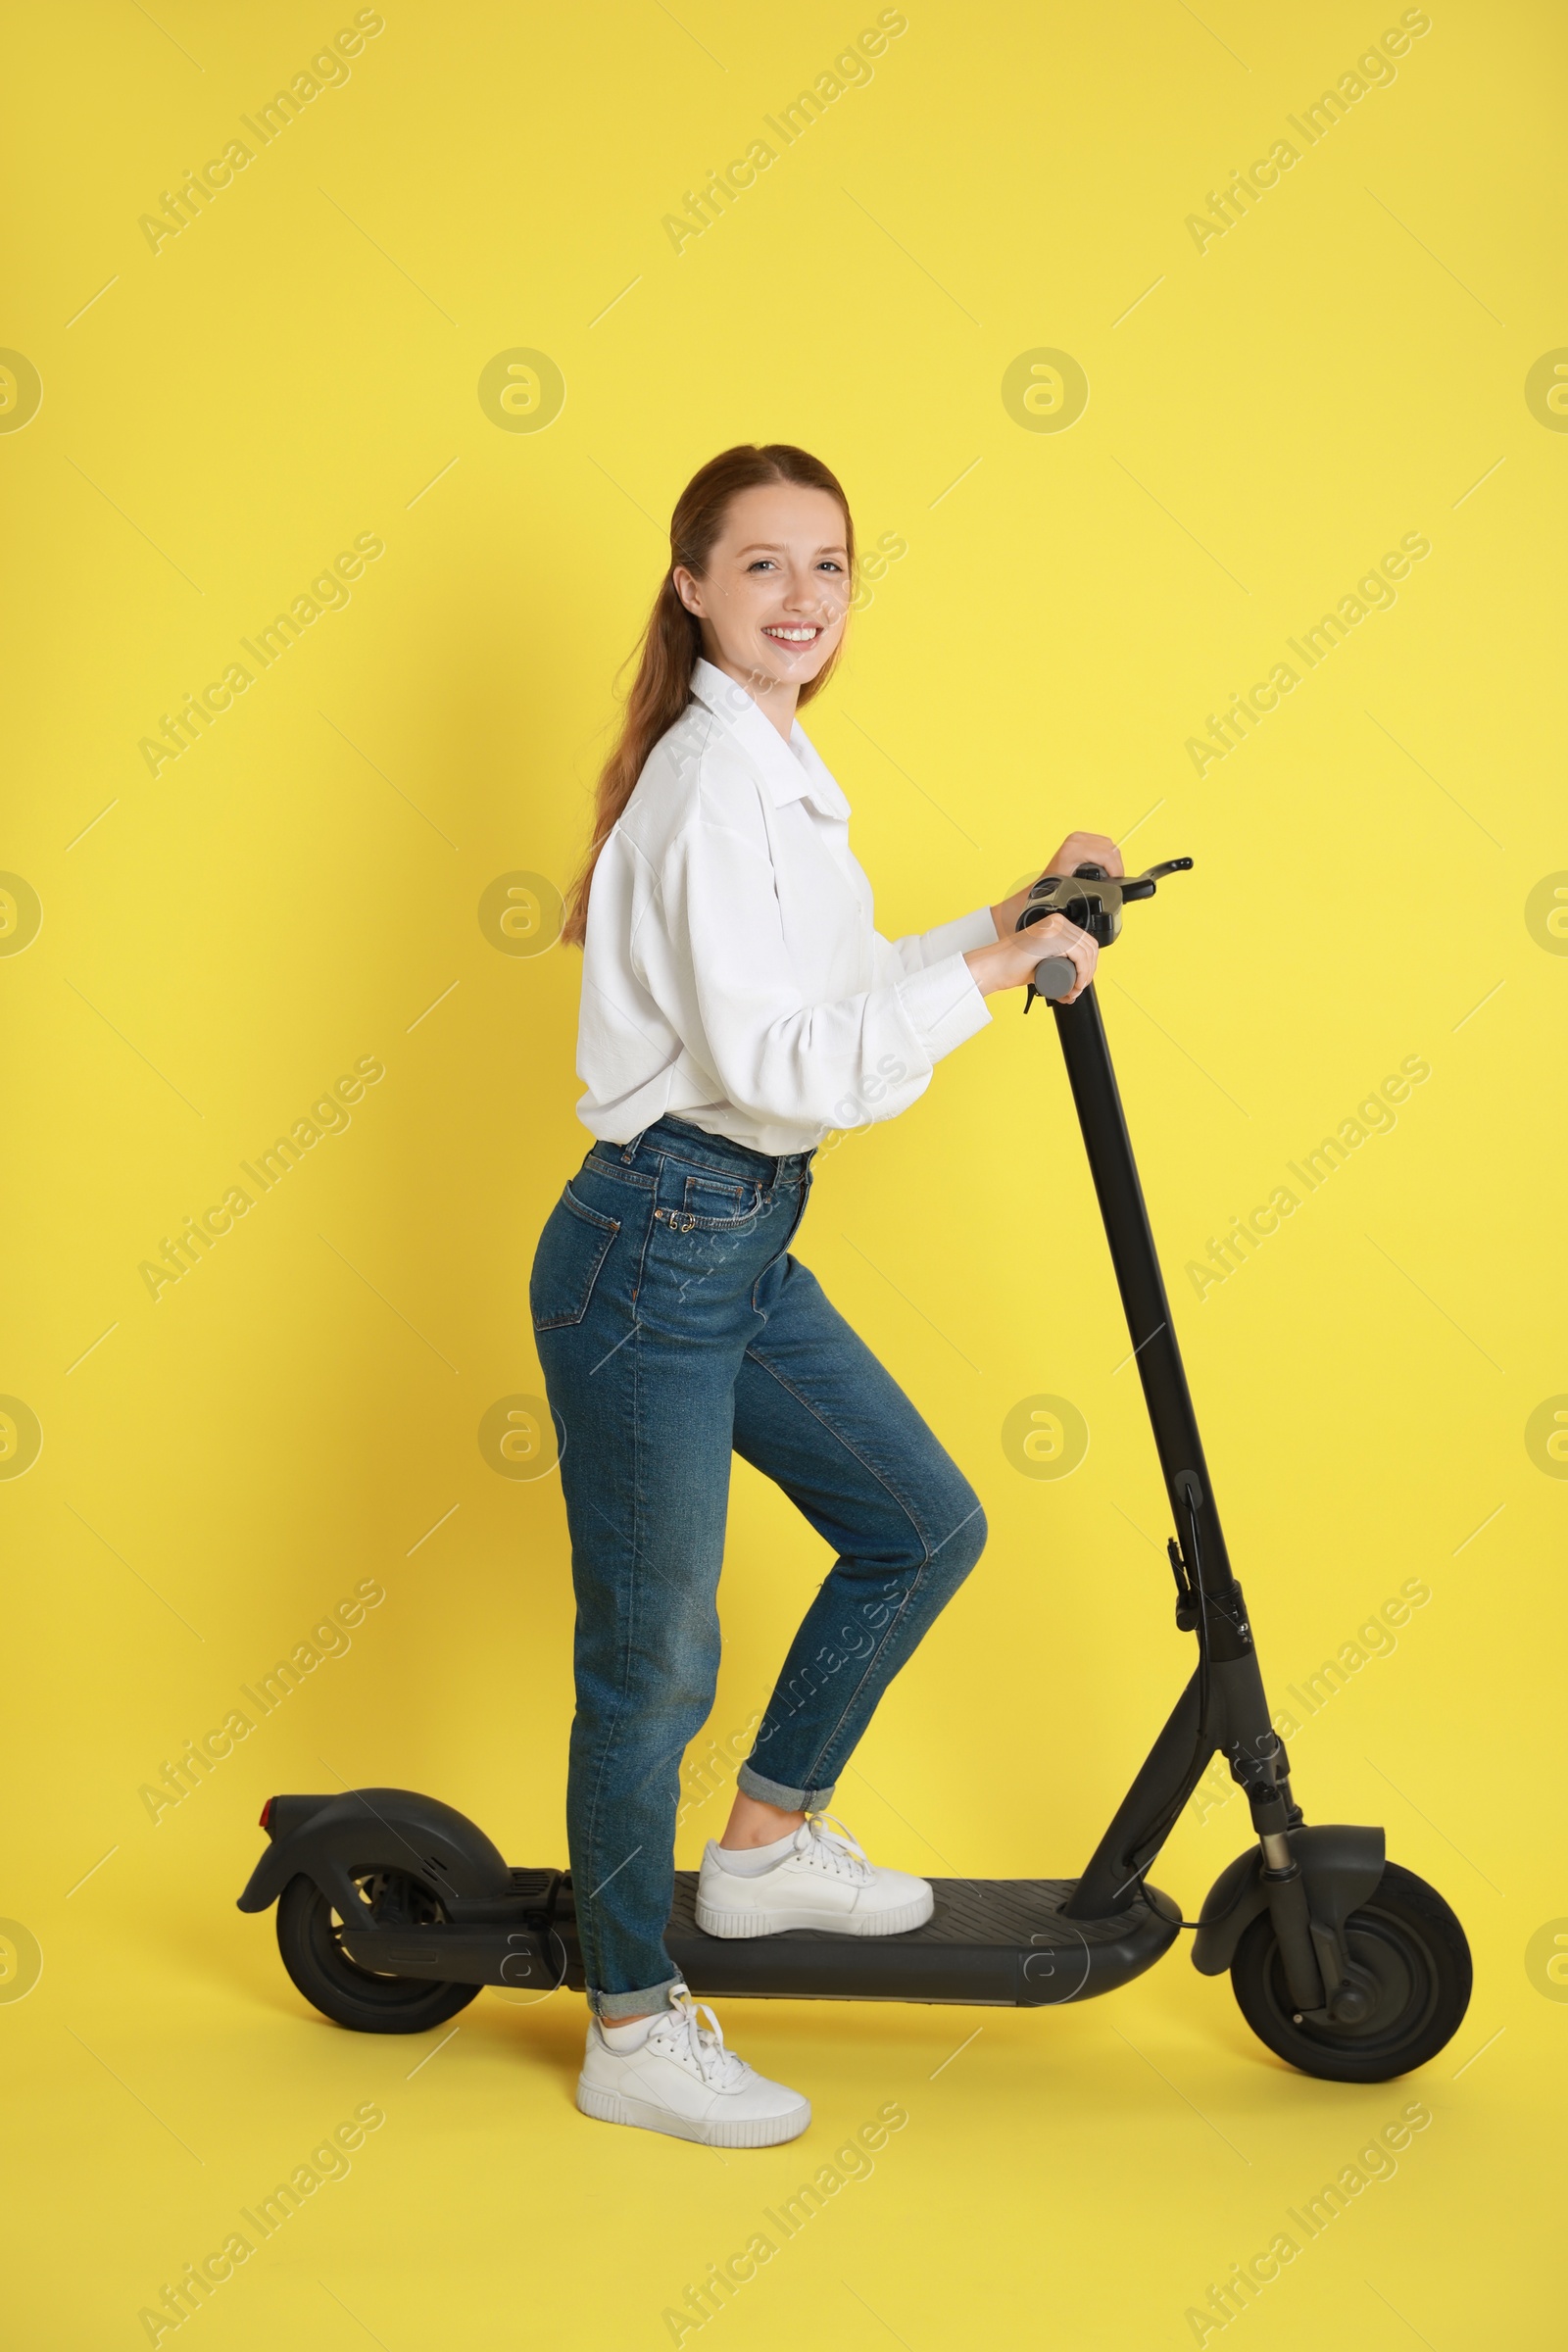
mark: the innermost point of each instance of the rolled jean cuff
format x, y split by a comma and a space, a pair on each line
613, 2007
774, 1792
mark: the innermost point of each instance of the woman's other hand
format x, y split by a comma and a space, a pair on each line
1086, 848
1079, 849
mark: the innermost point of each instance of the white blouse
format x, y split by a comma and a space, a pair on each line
731, 973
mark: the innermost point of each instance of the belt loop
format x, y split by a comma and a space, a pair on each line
628, 1150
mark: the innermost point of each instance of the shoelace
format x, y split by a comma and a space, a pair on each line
682, 2037
832, 1848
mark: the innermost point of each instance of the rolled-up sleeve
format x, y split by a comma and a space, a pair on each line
866, 1056
923, 948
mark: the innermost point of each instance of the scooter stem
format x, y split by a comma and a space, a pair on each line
1143, 1289
1224, 1705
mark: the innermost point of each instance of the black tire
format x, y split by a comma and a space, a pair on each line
1406, 1937
310, 1938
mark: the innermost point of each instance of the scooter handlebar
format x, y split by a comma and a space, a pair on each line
1097, 906
1054, 976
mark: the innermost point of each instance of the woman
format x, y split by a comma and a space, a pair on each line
737, 1007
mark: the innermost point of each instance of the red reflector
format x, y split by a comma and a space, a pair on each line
265, 1811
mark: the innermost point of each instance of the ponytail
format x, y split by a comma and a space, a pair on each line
672, 640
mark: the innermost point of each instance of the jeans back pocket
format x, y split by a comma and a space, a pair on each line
572, 1249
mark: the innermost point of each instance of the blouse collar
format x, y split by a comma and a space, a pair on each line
792, 770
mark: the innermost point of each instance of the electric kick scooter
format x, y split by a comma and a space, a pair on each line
394, 1909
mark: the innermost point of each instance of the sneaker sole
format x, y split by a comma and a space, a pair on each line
738, 2132
774, 1923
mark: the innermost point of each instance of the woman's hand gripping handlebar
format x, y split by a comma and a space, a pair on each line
1054, 955
1048, 944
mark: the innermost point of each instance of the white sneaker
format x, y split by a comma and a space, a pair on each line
683, 2081
821, 1880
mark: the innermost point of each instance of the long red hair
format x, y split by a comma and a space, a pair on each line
673, 640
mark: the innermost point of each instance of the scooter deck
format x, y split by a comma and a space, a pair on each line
992, 1942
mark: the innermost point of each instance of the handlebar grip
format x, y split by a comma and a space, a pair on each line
1056, 976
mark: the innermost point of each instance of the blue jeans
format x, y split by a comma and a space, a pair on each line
674, 1328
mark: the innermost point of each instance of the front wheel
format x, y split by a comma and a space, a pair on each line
1408, 1943
310, 1936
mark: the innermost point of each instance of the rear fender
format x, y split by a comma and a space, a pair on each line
327, 1838
1341, 1865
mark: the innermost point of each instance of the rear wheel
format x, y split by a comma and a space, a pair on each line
310, 1936
1408, 1950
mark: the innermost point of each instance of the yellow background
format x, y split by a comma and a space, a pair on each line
300, 366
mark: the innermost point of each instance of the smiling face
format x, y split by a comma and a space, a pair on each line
775, 595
